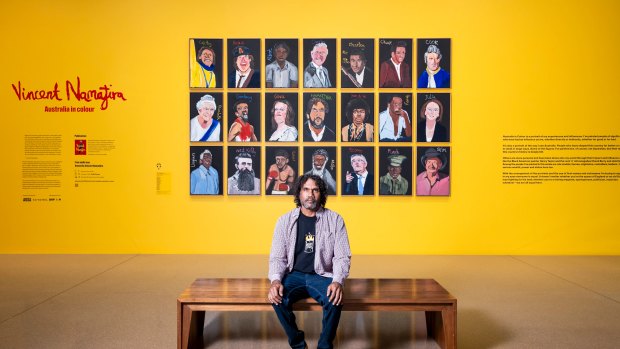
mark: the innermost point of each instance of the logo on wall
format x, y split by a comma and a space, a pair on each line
80, 147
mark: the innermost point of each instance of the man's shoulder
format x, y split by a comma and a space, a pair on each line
292, 214
329, 213
306, 129
329, 131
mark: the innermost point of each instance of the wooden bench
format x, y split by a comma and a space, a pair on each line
360, 295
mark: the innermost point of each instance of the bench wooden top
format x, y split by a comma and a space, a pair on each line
357, 291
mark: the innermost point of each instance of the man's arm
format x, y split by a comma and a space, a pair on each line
308, 75
341, 263
254, 139
342, 253
272, 174
217, 181
193, 180
291, 177
278, 259
294, 77
383, 74
234, 131
407, 123
268, 76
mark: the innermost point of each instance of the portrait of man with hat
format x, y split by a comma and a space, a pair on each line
243, 73
393, 183
430, 181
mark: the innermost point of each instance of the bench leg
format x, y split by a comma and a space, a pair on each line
193, 326
441, 326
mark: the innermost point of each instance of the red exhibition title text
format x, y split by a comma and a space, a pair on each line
103, 94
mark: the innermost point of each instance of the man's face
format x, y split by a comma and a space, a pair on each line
432, 165
431, 112
281, 162
279, 112
318, 161
432, 61
398, 56
358, 116
394, 171
206, 160
396, 105
317, 115
207, 57
244, 164
319, 54
310, 195
281, 54
206, 112
358, 164
243, 63
242, 111
357, 64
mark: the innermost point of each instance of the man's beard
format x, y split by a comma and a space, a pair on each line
310, 204
313, 124
318, 172
246, 180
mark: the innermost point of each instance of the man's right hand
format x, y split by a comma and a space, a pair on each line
276, 291
349, 177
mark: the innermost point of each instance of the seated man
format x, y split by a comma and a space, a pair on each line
310, 257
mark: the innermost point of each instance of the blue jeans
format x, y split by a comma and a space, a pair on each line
298, 285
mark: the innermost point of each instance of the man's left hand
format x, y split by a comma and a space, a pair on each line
334, 293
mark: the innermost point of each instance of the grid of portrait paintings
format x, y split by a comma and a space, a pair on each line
352, 111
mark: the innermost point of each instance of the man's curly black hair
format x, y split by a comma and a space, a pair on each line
319, 182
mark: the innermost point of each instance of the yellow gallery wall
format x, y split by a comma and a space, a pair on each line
518, 67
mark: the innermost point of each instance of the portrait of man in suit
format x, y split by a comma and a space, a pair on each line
359, 181
357, 74
395, 72
316, 74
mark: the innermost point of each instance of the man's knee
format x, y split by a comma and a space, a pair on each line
329, 306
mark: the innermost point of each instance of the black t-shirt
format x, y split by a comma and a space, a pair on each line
304, 246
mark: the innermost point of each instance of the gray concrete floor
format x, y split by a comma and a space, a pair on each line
129, 301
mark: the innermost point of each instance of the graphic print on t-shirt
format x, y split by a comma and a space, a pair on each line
309, 247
